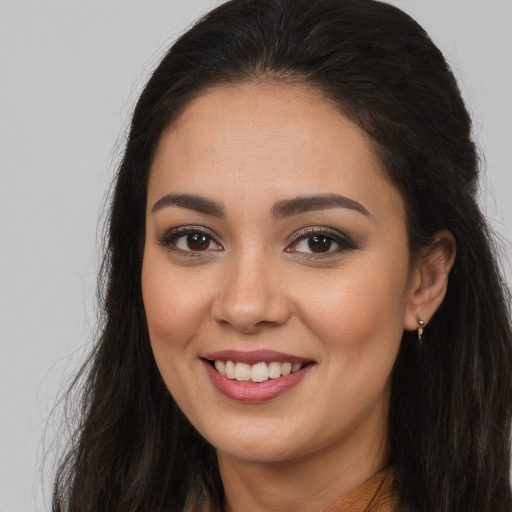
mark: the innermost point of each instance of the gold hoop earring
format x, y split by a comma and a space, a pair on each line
421, 324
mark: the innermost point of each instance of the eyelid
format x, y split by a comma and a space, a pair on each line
171, 235
344, 242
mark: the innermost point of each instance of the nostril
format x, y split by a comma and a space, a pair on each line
251, 317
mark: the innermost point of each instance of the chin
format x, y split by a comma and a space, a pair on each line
262, 443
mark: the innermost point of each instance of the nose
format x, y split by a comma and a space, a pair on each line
251, 295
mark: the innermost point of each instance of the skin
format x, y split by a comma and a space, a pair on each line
255, 286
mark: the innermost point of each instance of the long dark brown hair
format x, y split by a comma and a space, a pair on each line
450, 416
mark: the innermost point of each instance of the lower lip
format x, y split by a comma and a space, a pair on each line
254, 392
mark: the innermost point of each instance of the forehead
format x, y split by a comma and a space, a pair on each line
271, 140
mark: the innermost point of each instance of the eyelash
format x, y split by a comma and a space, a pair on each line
169, 239
343, 242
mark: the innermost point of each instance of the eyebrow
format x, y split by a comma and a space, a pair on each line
281, 209
190, 202
297, 205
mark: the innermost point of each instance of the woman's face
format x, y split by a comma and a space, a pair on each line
273, 237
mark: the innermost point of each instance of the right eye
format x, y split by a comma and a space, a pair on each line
193, 242
189, 240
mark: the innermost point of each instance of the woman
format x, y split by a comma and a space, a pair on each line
302, 310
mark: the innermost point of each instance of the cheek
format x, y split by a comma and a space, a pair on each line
172, 319
358, 313
175, 306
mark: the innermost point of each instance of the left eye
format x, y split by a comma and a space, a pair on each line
317, 244
321, 241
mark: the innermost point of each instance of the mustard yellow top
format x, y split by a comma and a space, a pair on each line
377, 494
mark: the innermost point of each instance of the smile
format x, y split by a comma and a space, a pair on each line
259, 372
257, 376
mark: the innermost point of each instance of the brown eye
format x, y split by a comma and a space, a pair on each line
321, 241
187, 240
319, 244
191, 242
198, 242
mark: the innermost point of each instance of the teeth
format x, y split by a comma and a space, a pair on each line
230, 369
274, 370
296, 367
286, 368
259, 372
220, 367
242, 371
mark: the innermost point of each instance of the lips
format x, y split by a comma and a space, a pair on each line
255, 376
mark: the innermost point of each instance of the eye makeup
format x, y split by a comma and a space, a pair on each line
319, 243
189, 241
311, 241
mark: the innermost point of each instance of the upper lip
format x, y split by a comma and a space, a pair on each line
255, 356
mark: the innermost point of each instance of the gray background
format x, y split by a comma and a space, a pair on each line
70, 72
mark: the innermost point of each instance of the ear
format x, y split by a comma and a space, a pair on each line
429, 279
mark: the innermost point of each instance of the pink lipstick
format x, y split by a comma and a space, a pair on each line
255, 376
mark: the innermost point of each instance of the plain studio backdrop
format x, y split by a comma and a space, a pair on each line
70, 72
